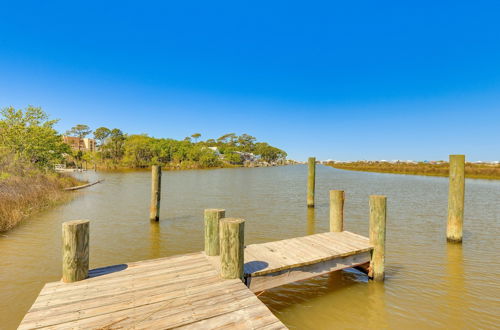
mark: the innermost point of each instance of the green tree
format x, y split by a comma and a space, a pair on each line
115, 145
196, 136
101, 134
269, 153
30, 134
246, 142
233, 157
229, 138
138, 150
79, 130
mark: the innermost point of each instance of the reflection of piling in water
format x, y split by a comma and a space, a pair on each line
154, 238
456, 196
375, 302
336, 210
311, 221
455, 286
75, 236
311, 181
154, 213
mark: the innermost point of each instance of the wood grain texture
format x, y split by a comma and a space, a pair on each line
154, 211
212, 218
273, 257
456, 197
378, 214
75, 240
311, 180
232, 240
336, 210
182, 291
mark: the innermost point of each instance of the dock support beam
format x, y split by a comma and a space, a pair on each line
336, 210
378, 215
232, 240
154, 212
456, 196
212, 218
75, 237
311, 181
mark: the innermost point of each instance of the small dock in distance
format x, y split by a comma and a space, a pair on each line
187, 291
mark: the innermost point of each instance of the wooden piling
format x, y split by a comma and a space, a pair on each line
456, 196
311, 181
154, 213
232, 239
212, 218
336, 210
75, 237
378, 214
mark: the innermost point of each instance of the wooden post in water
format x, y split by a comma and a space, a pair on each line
456, 196
378, 214
75, 237
154, 212
311, 180
336, 210
232, 240
212, 217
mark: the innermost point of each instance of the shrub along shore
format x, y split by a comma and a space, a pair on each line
29, 148
472, 170
26, 189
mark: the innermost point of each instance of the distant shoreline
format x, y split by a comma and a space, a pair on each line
472, 170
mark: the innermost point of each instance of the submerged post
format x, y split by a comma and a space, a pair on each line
75, 237
212, 217
456, 196
336, 210
154, 212
311, 180
232, 240
378, 214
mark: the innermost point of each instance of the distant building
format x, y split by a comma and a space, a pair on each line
79, 144
215, 150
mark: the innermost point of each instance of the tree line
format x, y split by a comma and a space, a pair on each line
116, 148
29, 134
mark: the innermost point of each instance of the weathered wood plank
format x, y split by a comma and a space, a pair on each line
264, 282
303, 251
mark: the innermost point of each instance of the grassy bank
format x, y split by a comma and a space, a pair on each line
26, 189
472, 170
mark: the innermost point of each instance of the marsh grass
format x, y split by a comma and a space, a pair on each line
26, 189
472, 170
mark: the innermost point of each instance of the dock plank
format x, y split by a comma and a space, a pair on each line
187, 292
169, 292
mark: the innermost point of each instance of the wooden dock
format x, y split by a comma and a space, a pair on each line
177, 292
186, 291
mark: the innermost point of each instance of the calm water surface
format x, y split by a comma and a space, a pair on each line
429, 284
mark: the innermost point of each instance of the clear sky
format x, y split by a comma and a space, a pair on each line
342, 80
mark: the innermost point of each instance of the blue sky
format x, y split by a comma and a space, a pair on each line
357, 80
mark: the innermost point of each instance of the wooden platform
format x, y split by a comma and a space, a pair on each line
277, 263
176, 292
186, 291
